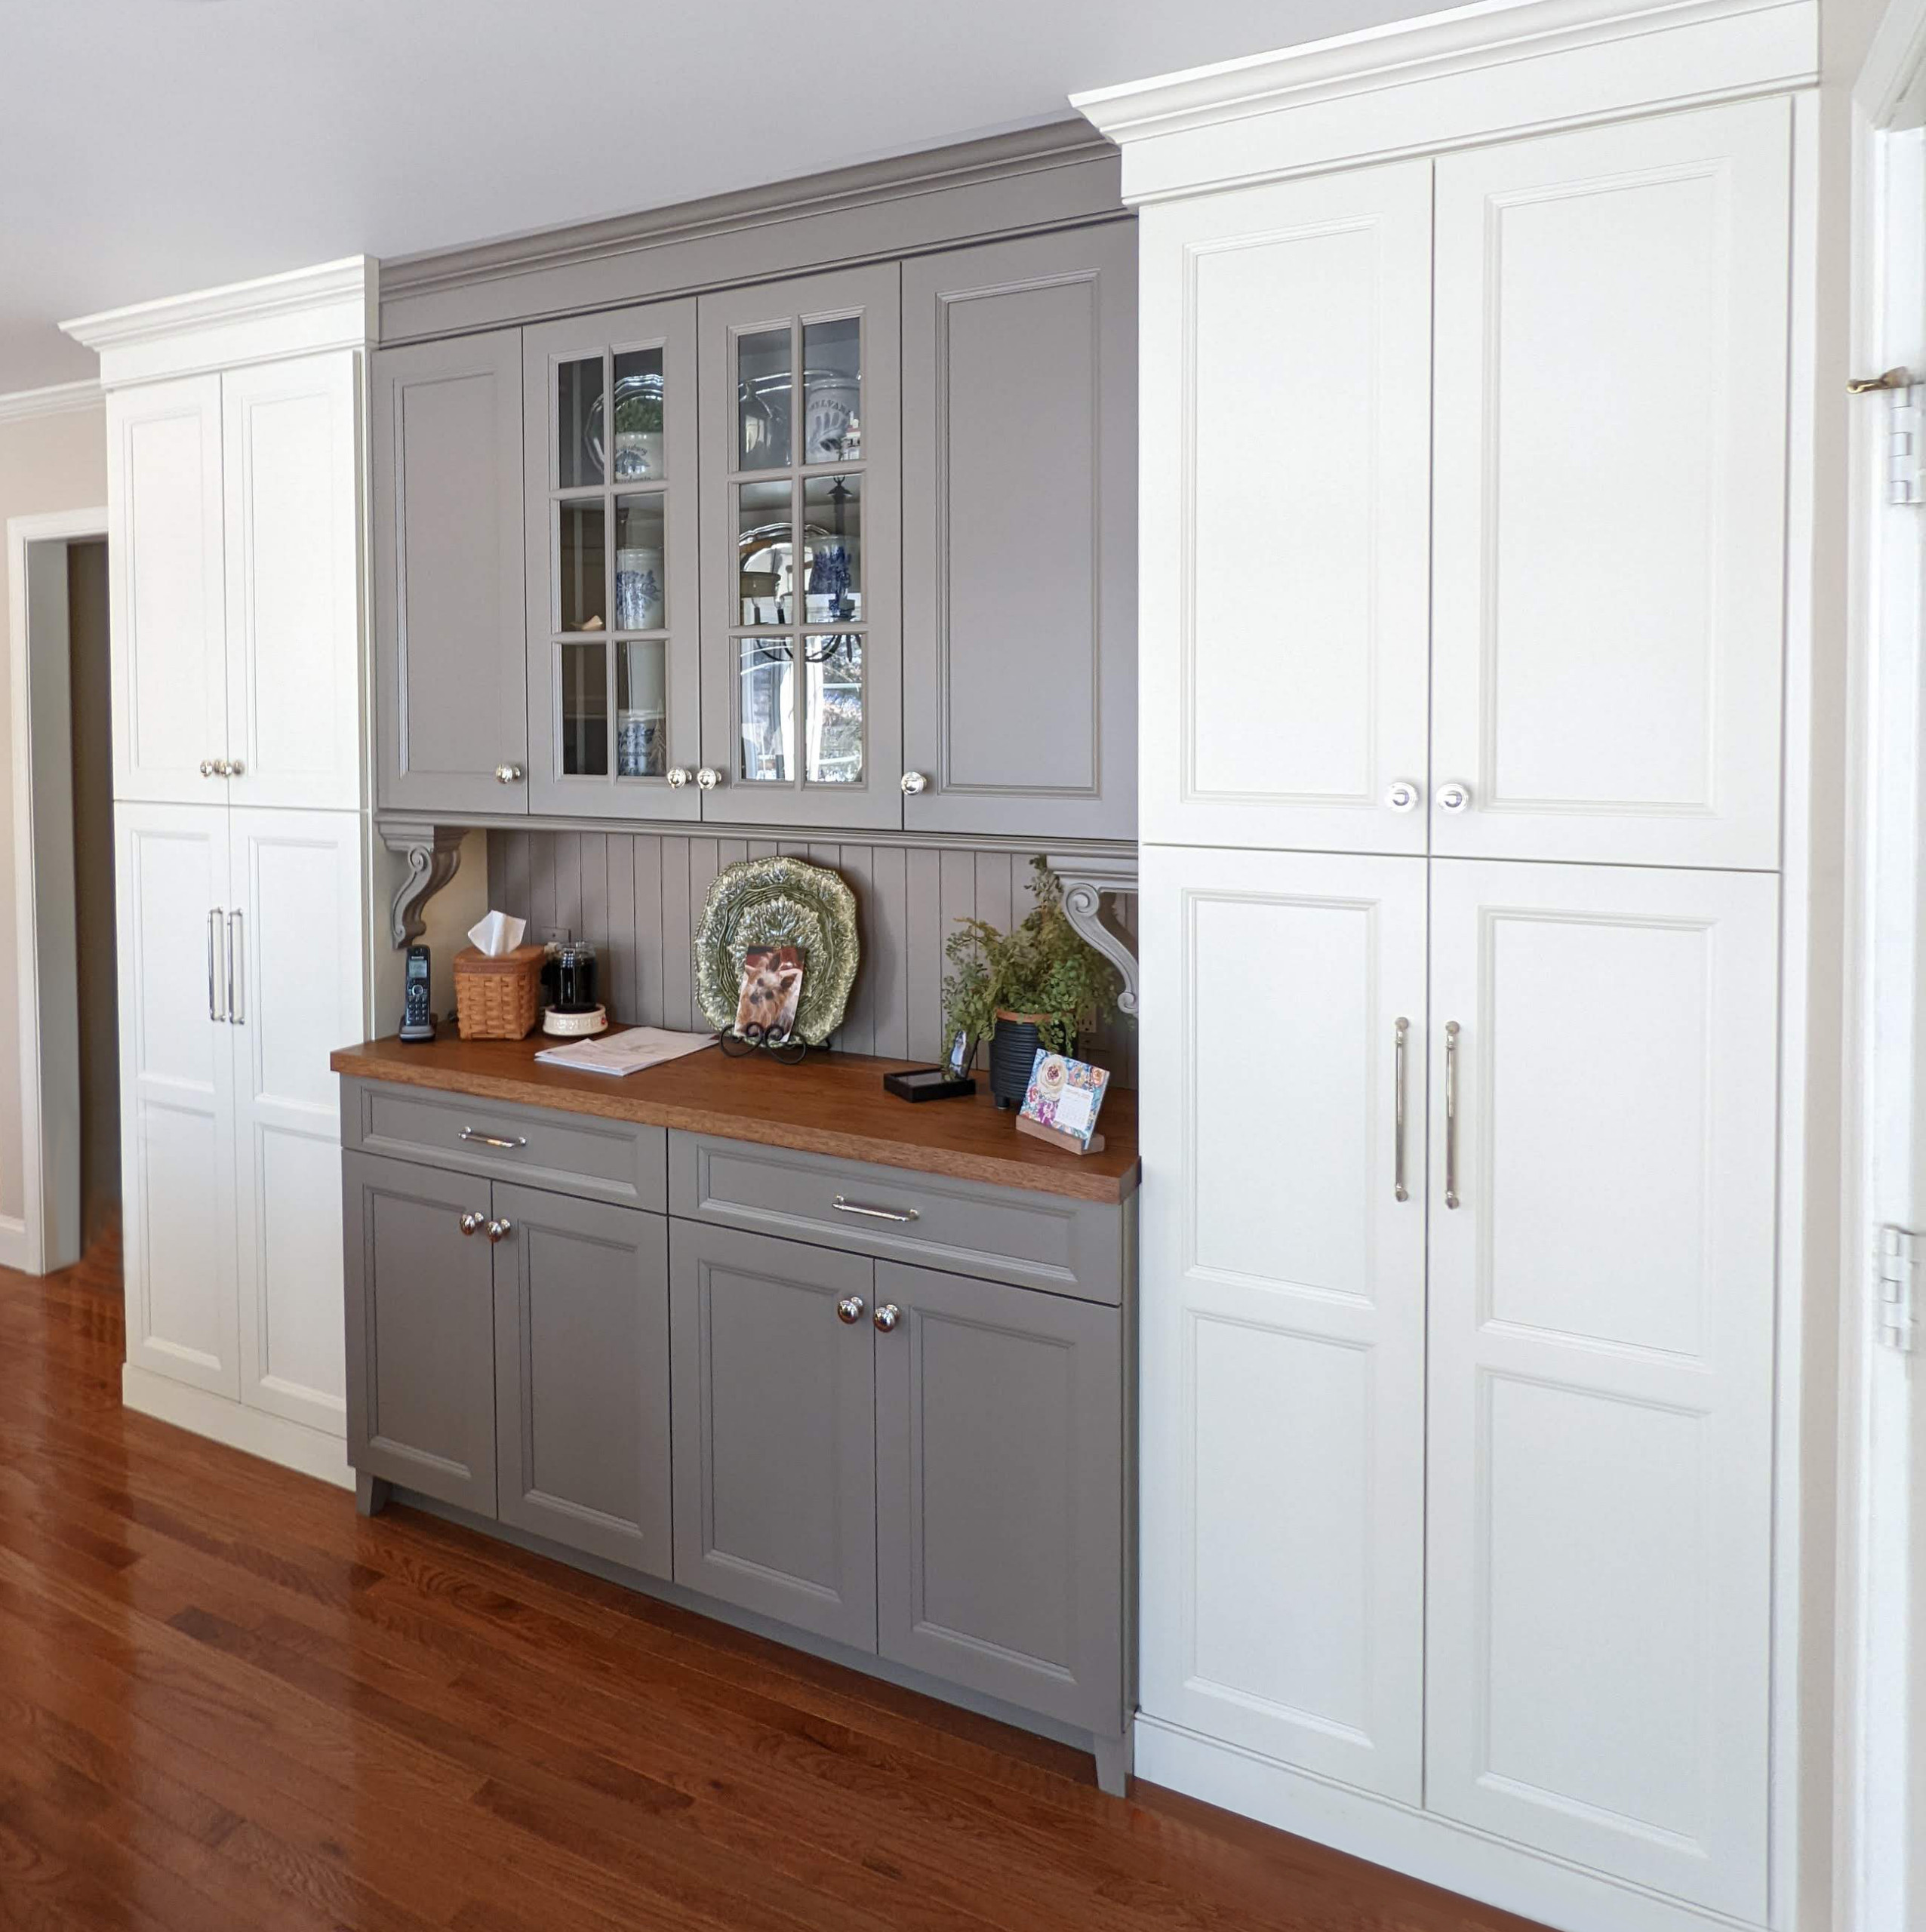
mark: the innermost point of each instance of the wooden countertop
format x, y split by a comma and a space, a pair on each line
832, 1103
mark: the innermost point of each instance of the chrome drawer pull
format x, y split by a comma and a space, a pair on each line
494, 1139
1451, 1115
843, 1207
1399, 1192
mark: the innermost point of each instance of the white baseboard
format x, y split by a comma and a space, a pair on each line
1419, 1844
15, 1250
273, 1438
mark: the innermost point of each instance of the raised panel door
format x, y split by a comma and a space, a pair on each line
1609, 581
999, 1492
451, 705
1600, 1380
292, 480
165, 585
176, 1095
1285, 493
1282, 1306
295, 936
1020, 535
582, 1375
774, 1422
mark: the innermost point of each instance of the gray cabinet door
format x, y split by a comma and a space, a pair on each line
421, 1330
449, 625
802, 550
774, 1426
614, 705
582, 1374
1020, 536
999, 1492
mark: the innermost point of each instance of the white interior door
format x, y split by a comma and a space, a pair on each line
1600, 1489
292, 485
1283, 1307
176, 1111
164, 566
295, 922
1285, 353
1609, 503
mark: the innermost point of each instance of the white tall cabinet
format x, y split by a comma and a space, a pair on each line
241, 843
1468, 368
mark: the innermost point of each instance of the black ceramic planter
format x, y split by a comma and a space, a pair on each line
1012, 1053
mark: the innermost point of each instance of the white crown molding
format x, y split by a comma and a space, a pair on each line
331, 306
1497, 67
61, 399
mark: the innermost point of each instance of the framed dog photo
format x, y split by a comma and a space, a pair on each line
772, 985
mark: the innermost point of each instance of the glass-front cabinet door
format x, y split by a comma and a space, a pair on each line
614, 698
802, 639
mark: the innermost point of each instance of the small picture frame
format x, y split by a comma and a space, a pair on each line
1061, 1105
928, 1083
962, 1051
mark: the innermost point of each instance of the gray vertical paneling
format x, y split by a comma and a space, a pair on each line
885, 963
923, 942
679, 915
857, 1034
568, 882
651, 997
625, 930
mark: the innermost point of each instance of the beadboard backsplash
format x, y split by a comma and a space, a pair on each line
639, 895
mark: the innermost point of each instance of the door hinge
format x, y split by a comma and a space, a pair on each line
1904, 481
1898, 1272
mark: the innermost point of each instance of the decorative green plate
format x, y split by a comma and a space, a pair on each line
779, 902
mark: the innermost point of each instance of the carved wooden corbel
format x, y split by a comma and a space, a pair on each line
1086, 881
433, 852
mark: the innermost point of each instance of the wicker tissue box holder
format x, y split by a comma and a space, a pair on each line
498, 999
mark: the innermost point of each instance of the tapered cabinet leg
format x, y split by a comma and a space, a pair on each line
1114, 1758
370, 1495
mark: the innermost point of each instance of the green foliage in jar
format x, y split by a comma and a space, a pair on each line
638, 413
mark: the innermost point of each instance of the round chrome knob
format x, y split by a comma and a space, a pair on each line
849, 1308
499, 1230
469, 1223
1454, 797
678, 775
232, 768
1401, 795
914, 782
887, 1317
508, 774
709, 778
208, 767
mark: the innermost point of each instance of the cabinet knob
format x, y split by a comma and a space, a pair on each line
887, 1317
499, 1231
914, 782
709, 778
208, 767
1402, 795
849, 1308
678, 775
1454, 797
232, 768
470, 1222
508, 774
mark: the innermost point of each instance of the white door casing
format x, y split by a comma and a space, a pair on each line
1609, 500
1600, 1372
1282, 1325
1285, 354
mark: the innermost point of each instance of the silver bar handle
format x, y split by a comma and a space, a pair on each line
1399, 1190
494, 1139
843, 1207
1451, 1113
237, 942
214, 974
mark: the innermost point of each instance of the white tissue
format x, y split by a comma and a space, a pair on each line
497, 934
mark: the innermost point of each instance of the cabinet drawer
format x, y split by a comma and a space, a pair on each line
1034, 1240
604, 1160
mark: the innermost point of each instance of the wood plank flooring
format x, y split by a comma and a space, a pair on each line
227, 1702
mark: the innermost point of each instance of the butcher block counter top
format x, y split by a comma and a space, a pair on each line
832, 1103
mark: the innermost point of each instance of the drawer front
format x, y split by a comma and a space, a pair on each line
601, 1160
1005, 1234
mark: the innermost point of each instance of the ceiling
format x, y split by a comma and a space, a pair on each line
151, 147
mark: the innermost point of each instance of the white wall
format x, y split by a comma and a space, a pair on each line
57, 462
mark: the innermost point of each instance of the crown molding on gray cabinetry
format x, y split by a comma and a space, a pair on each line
1038, 178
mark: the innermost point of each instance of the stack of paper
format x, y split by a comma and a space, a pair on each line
627, 1052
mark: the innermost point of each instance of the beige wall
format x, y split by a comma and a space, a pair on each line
46, 463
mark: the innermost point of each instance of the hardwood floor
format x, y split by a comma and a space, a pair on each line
227, 1702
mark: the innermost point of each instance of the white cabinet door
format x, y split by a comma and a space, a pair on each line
295, 913
169, 655
292, 485
1600, 1390
1283, 1307
1609, 500
1286, 355
177, 1114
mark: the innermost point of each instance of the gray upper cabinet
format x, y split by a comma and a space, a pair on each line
450, 622
774, 1419
999, 1487
614, 704
1020, 536
421, 1331
582, 1374
802, 618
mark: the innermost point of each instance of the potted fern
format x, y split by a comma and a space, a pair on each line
1041, 984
